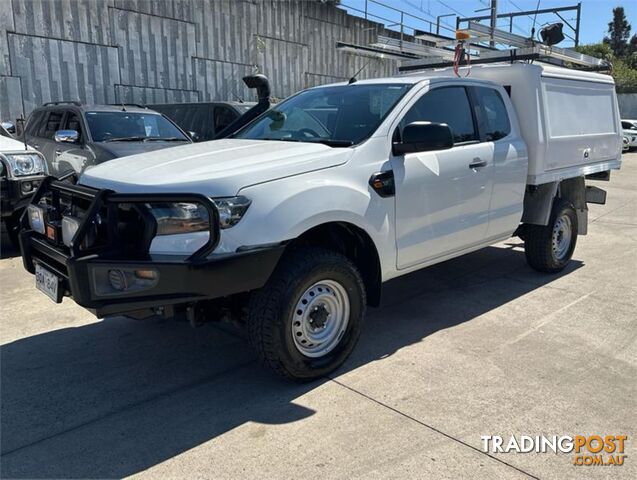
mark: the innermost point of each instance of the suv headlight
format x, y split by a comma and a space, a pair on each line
231, 210
182, 228
177, 218
25, 164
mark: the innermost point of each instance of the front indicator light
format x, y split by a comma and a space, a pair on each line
36, 219
231, 210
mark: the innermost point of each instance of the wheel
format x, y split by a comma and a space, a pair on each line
306, 320
549, 248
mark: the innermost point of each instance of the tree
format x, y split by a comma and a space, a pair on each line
619, 32
623, 70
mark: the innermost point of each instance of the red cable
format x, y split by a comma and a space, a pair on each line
457, 55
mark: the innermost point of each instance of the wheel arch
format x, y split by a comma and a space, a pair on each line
353, 242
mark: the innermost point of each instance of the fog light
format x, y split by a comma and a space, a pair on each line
36, 218
26, 187
118, 279
70, 225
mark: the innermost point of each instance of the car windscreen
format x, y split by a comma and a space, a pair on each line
4, 133
113, 126
340, 115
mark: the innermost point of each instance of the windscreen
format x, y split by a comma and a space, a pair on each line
338, 116
114, 126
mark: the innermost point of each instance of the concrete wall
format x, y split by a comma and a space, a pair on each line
627, 105
158, 51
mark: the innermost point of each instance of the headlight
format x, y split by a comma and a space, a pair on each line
182, 228
24, 164
175, 218
231, 210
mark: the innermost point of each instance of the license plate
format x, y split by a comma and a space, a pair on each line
47, 282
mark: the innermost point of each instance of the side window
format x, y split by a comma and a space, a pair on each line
493, 116
448, 105
73, 123
53, 124
224, 116
33, 125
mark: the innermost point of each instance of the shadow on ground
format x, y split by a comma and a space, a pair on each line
115, 397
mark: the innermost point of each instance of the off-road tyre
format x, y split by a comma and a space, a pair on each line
541, 243
271, 312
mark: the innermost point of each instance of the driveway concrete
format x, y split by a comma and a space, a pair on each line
480, 345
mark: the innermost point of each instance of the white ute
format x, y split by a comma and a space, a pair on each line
298, 219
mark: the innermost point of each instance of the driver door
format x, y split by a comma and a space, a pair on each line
442, 197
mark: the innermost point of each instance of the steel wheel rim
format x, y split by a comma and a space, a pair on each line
320, 318
561, 240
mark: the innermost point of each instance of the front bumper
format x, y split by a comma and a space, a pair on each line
15, 193
179, 279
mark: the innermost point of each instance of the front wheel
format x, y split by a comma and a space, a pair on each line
307, 319
550, 248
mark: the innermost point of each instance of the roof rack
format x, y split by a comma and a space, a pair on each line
524, 49
368, 51
123, 104
77, 103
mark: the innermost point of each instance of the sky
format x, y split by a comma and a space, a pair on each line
594, 20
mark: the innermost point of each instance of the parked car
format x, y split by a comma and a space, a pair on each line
72, 136
203, 121
630, 132
294, 222
21, 171
8, 127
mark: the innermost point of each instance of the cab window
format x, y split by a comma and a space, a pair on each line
448, 105
224, 116
52, 124
492, 114
35, 121
73, 123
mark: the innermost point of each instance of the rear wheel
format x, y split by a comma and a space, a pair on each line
550, 248
307, 319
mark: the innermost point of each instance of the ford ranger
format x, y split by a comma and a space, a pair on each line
295, 221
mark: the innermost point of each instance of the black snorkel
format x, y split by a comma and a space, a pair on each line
262, 85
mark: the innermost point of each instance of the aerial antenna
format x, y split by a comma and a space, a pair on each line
21, 123
353, 78
537, 7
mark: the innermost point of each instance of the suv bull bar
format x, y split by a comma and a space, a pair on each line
180, 279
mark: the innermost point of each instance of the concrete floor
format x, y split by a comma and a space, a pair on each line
480, 345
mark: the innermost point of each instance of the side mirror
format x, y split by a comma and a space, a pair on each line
424, 137
67, 136
9, 127
193, 135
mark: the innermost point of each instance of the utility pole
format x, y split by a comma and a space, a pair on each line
494, 20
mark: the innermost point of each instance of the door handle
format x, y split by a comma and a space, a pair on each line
478, 163
58, 152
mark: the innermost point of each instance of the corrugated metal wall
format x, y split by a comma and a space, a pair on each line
154, 51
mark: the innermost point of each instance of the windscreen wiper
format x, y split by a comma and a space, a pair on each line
331, 143
126, 139
166, 139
